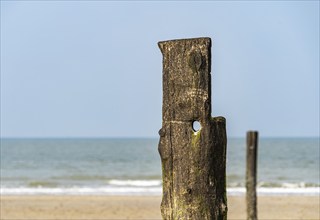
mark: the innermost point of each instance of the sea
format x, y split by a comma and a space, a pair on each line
132, 166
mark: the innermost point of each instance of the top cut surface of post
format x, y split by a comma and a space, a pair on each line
161, 44
186, 79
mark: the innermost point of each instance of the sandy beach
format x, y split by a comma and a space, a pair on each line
145, 207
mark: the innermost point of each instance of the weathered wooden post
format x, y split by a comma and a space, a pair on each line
251, 174
193, 162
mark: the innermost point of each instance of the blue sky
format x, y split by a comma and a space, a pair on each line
93, 69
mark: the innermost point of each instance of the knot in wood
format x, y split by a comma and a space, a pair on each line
162, 132
195, 60
223, 208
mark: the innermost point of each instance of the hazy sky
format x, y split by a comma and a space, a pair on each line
93, 69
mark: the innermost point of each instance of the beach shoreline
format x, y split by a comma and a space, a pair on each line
100, 207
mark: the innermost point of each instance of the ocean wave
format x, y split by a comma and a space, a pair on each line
312, 191
37, 184
141, 183
78, 177
287, 185
82, 191
275, 184
146, 191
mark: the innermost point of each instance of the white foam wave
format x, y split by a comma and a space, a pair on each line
141, 183
311, 191
286, 185
82, 191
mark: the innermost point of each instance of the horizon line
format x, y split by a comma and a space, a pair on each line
132, 137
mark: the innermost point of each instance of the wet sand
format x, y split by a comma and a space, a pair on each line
145, 207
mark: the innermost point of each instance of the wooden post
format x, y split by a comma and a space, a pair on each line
193, 161
251, 174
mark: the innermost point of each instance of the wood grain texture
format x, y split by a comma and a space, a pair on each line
251, 174
193, 163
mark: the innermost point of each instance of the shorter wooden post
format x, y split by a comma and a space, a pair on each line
251, 174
